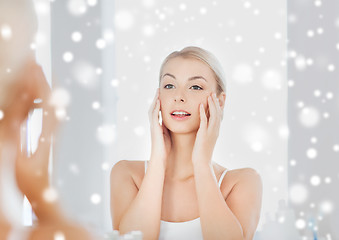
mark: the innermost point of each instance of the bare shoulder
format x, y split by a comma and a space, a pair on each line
249, 174
128, 169
246, 177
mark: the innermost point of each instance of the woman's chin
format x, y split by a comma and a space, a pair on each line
183, 129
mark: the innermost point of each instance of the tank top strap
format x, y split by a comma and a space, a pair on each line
145, 166
222, 177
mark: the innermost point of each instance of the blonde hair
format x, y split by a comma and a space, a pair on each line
204, 56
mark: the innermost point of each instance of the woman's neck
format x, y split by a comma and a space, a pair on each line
179, 162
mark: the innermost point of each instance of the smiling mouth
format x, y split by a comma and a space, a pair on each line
181, 115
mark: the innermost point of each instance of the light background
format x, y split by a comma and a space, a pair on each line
110, 74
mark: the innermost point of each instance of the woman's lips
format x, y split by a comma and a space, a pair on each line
178, 117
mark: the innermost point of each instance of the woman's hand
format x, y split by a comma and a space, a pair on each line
208, 132
32, 171
161, 138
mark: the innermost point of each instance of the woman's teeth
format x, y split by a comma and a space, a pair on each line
180, 114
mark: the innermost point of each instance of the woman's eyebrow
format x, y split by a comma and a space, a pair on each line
190, 79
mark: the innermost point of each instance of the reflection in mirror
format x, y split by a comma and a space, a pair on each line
102, 61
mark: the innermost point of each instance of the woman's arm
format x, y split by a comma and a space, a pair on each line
137, 210
238, 216
134, 209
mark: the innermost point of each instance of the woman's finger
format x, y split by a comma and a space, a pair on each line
151, 109
203, 117
212, 109
217, 104
156, 112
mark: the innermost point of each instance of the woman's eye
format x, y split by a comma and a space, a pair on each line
168, 85
195, 87
198, 87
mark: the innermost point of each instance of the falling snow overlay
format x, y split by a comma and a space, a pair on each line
281, 61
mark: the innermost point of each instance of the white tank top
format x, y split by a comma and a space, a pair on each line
182, 230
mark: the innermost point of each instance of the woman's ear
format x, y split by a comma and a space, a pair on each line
222, 99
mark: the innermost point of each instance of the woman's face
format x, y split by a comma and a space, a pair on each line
185, 83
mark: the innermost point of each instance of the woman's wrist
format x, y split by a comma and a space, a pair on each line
201, 164
159, 161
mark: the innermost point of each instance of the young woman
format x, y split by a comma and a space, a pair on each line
180, 193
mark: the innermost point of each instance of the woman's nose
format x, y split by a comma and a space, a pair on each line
179, 96
179, 99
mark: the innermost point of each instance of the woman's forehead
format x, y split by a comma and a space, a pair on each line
187, 66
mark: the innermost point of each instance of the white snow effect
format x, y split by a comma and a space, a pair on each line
74, 169
106, 134
298, 193
326, 207
310, 33
277, 35
60, 98
247, 4
61, 114
77, 7
92, 3
42, 7
315, 180
50, 195
320, 31
317, 3
300, 63
76, 36
85, 74
108, 35
311, 153
256, 137
203, 10
238, 39
139, 131
317, 93
148, 30
293, 162
68, 57
284, 132
309, 117
329, 95
115, 82
271, 80
40, 38
290, 83
59, 236
100, 43
309, 61
328, 180
95, 198
314, 140
95, 105
300, 224
326, 115
6, 32
242, 74
105, 166
182, 7
331, 68
124, 19
148, 3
